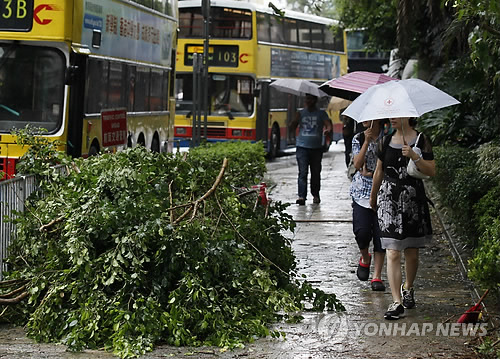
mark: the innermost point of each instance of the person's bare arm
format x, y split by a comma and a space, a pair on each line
327, 125
359, 159
378, 176
295, 121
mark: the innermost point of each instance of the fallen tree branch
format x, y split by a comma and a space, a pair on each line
171, 201
249, 243
50, 224
13, 292
14, 300
193, 206
8, 283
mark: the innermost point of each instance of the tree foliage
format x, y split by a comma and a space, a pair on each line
377, 17
136, 248
325, 8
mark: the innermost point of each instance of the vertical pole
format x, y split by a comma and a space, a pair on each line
194, 124
206, 37
199, 92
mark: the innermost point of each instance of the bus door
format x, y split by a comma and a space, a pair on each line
262, 125
75, 77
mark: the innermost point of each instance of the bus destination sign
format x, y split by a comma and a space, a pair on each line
218, 55
16, 15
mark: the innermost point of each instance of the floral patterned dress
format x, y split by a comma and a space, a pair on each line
403, 212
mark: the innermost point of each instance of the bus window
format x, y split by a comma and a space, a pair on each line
231, 23
47, 94
183, 93
97, 86
304, 29
190, 23
317, 35
155, 103
279, 100
329, 40
163, 6
116, 85
131, 73
231, 93
290, 30
277, 30
227, 93
31, 87
165, 88
225, 23
142, 89
338, 38
263, 26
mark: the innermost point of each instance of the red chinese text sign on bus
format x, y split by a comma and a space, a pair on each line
114, 127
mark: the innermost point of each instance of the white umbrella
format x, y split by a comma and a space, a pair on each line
400, 98
298, 87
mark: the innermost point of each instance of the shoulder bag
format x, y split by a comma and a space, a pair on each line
412, 168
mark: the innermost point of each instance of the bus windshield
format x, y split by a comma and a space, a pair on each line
227, 94
31, 87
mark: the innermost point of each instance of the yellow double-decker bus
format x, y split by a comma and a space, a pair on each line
93, 74
249, 47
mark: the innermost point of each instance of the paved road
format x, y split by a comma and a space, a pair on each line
327, 254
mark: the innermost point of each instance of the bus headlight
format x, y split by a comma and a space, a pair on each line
237, 133
180, 130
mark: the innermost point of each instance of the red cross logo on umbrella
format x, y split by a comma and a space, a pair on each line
389, 102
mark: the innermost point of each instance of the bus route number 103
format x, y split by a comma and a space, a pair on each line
16, 15
225, 55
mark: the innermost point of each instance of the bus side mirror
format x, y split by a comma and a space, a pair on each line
71, 72
256, 92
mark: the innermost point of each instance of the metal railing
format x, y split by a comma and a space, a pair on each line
13, 195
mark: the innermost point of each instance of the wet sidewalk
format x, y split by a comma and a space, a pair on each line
327, 254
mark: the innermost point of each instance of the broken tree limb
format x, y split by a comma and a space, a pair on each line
14, 300
193, 206
8, 283
13, 292
44, 227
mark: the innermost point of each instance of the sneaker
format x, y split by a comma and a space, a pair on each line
363, 271
408, 296
377, 285
395, 311
316, 200
300, 201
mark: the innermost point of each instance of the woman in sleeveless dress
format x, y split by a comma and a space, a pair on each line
402, 209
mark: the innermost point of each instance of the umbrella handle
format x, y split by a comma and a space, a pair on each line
483, 296
403, 131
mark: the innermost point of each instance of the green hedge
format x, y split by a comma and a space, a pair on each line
460, 185
469, 185
485, 266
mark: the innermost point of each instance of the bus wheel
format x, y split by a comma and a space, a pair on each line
155, 144
94, 149
141, 141
275, 143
